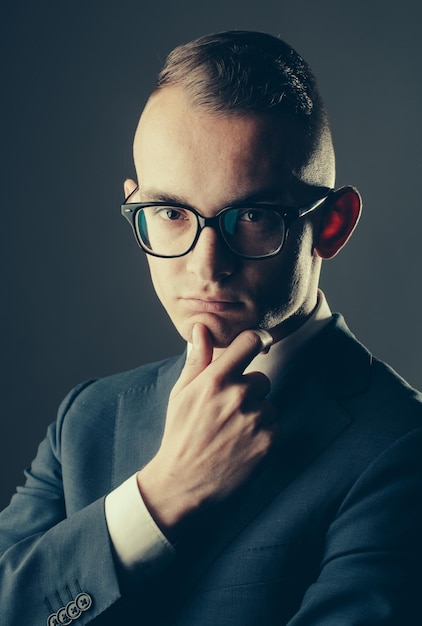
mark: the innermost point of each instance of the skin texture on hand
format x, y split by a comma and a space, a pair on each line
219, 427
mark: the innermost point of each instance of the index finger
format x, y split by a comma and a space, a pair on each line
243, 349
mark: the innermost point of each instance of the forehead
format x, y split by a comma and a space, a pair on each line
184, 147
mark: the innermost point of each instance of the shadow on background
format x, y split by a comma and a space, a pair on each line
77, 300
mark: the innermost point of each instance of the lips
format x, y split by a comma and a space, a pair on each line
211, 305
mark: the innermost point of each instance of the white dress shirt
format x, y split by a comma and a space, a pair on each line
137, 540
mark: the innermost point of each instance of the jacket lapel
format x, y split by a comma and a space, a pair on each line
310, 413
141, 413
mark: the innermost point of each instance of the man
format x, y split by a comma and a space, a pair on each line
271, 476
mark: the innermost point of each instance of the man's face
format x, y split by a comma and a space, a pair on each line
183, 154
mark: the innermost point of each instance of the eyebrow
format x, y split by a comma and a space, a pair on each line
153, 195
262, 196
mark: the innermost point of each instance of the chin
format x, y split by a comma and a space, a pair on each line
221, 342
221, 335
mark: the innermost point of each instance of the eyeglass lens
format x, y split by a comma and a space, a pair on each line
171, 231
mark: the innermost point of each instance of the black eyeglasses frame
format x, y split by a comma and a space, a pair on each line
129, 210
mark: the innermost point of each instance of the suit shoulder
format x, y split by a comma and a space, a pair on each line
393, 390
370, 390
102, 394
141, 376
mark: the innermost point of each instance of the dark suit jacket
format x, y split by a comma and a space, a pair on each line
328, 533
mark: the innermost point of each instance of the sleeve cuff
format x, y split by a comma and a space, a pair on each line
137, 540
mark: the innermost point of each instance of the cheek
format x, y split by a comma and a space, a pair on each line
163, 275
287, 277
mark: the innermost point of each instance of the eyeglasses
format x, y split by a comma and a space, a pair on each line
251, 231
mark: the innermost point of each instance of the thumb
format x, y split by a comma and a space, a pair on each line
199, 357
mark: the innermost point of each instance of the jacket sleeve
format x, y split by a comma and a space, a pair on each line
371, 569
55, 567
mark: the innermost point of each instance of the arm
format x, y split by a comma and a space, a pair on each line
49, 558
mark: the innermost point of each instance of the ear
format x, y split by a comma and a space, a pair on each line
129, 186
339, 218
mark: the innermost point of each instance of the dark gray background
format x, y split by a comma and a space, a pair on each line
76, 297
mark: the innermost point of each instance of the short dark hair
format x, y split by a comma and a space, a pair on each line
243, 71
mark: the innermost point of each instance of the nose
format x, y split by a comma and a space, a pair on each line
211, 259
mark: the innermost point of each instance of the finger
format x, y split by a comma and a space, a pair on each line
129, 187
199, 357
258, 384
268, 419
243, 349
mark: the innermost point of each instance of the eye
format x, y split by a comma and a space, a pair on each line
172, 214
252, 215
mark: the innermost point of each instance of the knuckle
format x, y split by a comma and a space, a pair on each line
239, 395
234, 402
214, 384
218, 378
195, 360
262, 446
266, 440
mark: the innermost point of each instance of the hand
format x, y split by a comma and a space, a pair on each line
219, 427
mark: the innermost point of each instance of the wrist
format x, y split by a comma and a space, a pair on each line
169, 508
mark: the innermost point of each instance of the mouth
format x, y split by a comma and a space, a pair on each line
211, 305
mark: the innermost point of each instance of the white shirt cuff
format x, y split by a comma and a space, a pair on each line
136, 538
